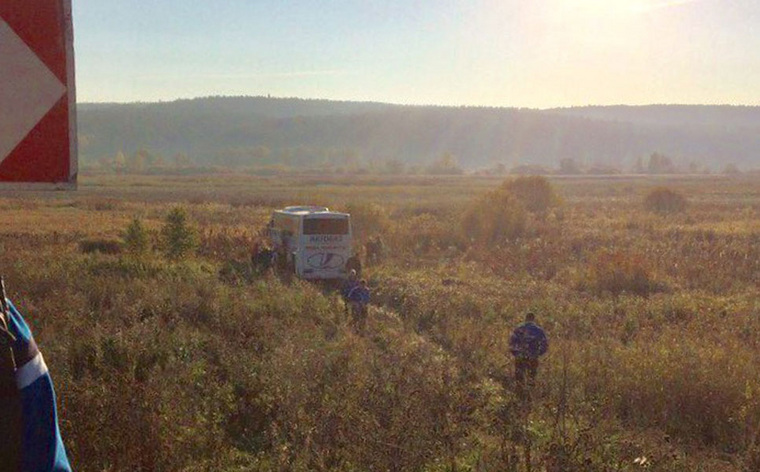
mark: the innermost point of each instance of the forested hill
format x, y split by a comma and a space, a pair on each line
261, 131
671, 115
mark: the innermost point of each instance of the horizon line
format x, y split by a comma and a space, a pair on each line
412, 105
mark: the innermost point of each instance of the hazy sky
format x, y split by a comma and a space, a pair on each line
523, 53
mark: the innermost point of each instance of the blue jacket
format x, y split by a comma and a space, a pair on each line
358, 294
41, 446
348, 286
528, 341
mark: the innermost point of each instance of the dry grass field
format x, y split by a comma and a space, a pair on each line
199, 363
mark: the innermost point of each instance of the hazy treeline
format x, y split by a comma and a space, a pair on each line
257, 132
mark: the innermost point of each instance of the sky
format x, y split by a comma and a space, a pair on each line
499, 53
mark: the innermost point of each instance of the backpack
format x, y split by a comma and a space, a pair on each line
529, 341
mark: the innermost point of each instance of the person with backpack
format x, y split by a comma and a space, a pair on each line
351, 282
527, 343
358, 299
263, 258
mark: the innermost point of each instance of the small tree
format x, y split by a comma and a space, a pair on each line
120, 162
181, 160
179, 239
138, 161
445, 165
136, 238
663, 200
535, 192
660, 164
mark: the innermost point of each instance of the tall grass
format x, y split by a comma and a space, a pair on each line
196, 363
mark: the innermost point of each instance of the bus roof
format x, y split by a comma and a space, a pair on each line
312, 212
305, 209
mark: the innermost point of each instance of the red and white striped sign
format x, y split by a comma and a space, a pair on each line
38, 140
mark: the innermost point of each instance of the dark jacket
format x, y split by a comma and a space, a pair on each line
348, 286
528, 341
358, 294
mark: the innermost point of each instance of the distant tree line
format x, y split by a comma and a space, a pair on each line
261, 159
350, 137
141, 161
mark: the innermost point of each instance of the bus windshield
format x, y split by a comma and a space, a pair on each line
313, 226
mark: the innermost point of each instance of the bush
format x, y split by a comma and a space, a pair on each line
618, 273
136, 237
663, 200
179, 238
534, 192
495, 217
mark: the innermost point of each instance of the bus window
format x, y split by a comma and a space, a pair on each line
325, 226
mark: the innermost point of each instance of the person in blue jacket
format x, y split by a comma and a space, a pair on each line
527, 343
349, 284
32, 441
358, 299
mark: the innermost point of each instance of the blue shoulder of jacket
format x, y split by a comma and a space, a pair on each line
532, 327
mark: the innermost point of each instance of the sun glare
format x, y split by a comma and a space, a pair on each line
614, 7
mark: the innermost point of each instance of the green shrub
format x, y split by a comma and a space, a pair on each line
179, 238
136, 238
663, 200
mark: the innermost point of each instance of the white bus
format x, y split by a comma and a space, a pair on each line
313, 241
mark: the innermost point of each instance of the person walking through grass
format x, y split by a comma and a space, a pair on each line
351, 282
358, 299
527, 343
